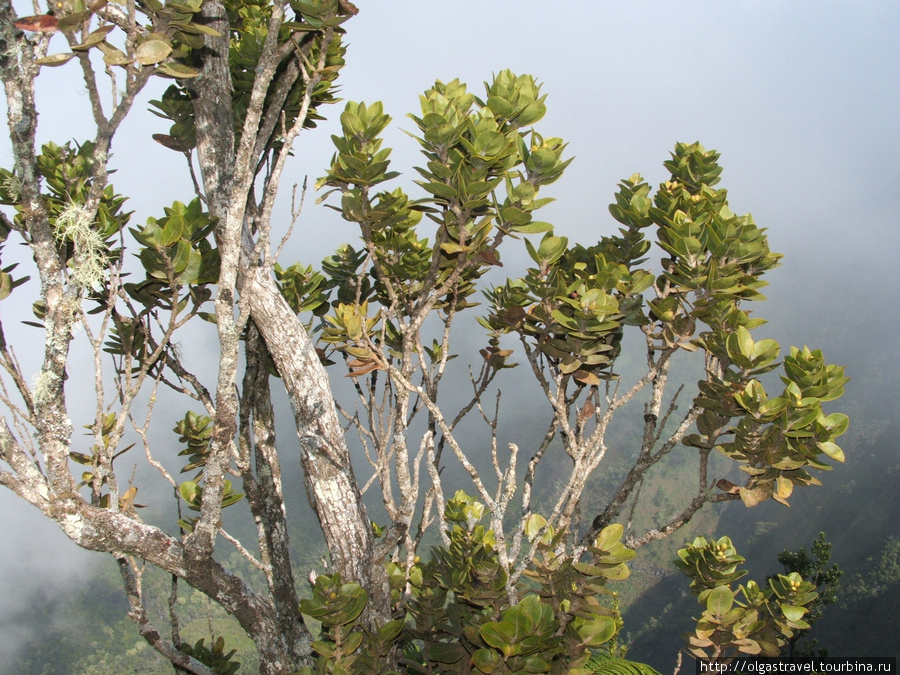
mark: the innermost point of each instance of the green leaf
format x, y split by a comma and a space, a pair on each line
441, 190
515, 216
54, 60
534, 228
180, 256
744, 342
6, 285
190, 491
595, 632
500, 106
747, 646
486, 660
551, 249
186, 7
490, 143
198, 28
191, 271
94, 39
833, 450
352, 642
452, 248
113, 56
501, 634
172, 231
756, 495
609, 536
81, 458
177, 70
640, 204
533, 525
720, 600
73, 21
152, 51
569, 365
444, 652
351, 123
323, 648
783, 488
836, 423
642, 281
391, 630
792, 612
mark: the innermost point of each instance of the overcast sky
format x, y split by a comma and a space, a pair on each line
801, 98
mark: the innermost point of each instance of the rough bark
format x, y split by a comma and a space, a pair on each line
215, 148
228, 180
332, 487
266, 498
228, 173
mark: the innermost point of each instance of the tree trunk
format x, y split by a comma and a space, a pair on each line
331, 484
266, 499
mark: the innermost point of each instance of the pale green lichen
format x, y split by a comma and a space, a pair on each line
13, 187
43, 387
73, 315
90, 261
14, 53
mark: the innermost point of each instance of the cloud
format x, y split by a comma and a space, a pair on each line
38, 566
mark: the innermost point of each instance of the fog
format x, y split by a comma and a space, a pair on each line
801, 99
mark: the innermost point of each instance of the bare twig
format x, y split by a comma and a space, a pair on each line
243, 550
138, 614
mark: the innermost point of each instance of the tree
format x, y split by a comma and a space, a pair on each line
248, 78
759, 624
814, 569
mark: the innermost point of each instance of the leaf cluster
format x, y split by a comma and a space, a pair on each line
249, 25
760, 624
456, 613
345, 646
85, 245
180, 265
775, 440
196, 431
175, 249
166, 48
573, 306
607, 664
813, 567
7, 281
482, 174
216, 658
96, 479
